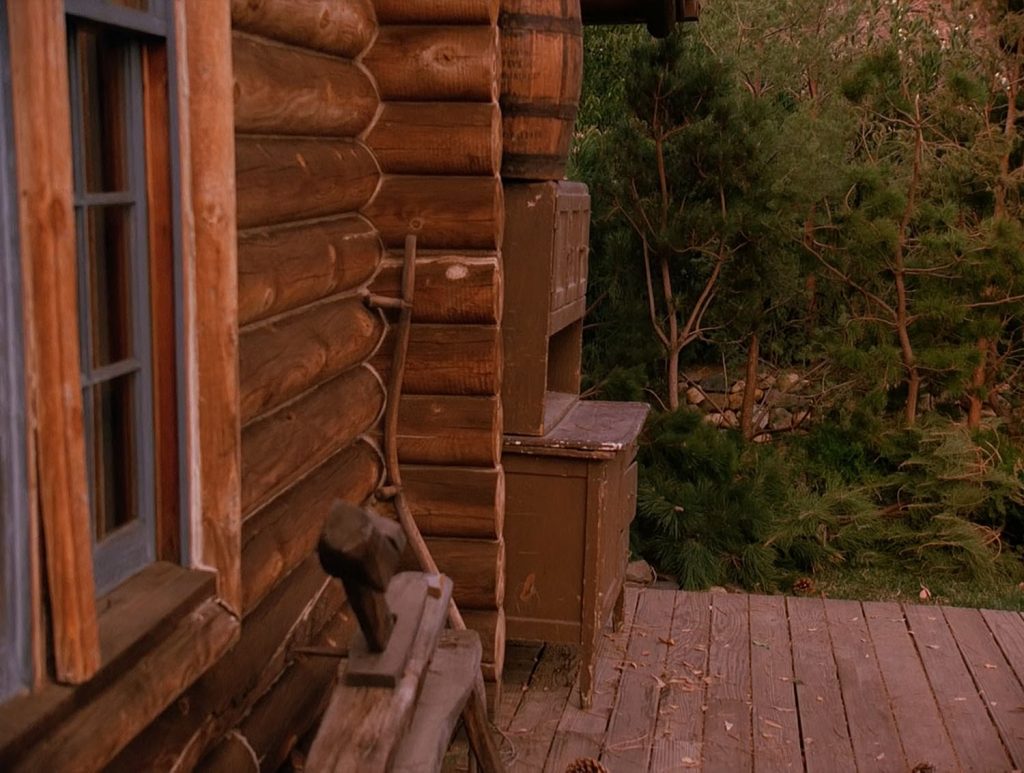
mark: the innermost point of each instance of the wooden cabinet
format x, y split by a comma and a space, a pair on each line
570, 498
547, 230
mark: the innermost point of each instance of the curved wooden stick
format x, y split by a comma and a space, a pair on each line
394, 475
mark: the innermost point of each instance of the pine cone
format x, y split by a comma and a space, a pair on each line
586, 765
804, 586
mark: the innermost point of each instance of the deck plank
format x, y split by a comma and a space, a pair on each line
775, 728
996, 681
631, 728
826, 738
532, 729
974, 737
1008, 628
679, 729
580, 732
918, 721
520, 662
727, 733
869, 717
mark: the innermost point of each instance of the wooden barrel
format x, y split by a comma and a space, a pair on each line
541, 78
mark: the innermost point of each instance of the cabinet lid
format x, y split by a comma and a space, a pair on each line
592, 429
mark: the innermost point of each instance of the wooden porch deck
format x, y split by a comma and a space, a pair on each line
723, 682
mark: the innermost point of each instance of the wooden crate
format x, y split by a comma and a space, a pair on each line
547, 230
571, 496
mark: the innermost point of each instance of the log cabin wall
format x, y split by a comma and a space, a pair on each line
357, 123
438, 141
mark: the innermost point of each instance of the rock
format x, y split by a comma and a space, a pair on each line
801, 417
715, 401
761, 419
778, 399
787, 382
758, 394
766, 382
736, 400
694, 396
781, 419
715, 383
640, 572
730, 419
737, 386
717, 589
764, 437
715, 419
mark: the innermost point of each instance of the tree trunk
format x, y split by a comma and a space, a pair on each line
977, 382
673, 379
749, 389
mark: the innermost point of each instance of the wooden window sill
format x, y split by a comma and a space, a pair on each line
159, 632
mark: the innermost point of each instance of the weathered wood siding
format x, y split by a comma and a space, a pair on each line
351, 134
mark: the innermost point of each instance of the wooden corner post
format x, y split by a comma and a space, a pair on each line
208, 140
42, 135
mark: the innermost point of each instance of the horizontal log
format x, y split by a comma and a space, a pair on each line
285, 445
490, 625
438, 138
477, 567
437, 11
447, 360
281, 359
285, 713
449, 288
443, 212
456, 501
463, 431
278, 537
286, 90
345, 29
436, 63
285, 179
224, 694
285, 267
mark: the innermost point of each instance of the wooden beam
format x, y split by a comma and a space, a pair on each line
42, 133
456, 501
449, 287
286, 90
282, 179
363, 725
436, 63
438, 138
287, 444
344, 28
443, 430
448, 359
99, 729
290, 616
280, 536
448, 213
210, 214
285, 267
281, 359
476, 567
437, 11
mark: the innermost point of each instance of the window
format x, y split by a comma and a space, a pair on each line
125, 281
15, 660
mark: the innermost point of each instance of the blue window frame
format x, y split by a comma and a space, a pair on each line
15, 654
105, 56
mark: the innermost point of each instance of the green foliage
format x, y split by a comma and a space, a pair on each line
842, 181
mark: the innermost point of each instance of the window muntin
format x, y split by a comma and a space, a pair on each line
108, 141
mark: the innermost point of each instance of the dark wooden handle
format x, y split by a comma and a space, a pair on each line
363, 551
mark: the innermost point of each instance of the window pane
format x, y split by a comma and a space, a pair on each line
108, 244
115, 503
102, 84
